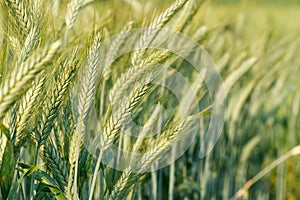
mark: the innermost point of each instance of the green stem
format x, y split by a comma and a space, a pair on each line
96, 173
33, 175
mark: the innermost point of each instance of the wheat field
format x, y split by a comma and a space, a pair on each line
135, 99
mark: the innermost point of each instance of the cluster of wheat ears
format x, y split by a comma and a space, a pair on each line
51, 50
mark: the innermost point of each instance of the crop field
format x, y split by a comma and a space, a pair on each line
158, 100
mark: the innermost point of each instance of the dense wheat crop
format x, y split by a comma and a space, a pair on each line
126, 99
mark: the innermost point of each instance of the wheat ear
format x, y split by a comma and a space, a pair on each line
85, 98
72, 12
153, 30
19, 81
151, 64
50, 109
52, 104
26, 108
20, 16
56, 165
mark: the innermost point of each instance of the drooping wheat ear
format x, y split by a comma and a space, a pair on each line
19, 81
21, 19
127, 80
114, 124
26, 108
56, 165
153, 30
88, 82
52, 103
71, 15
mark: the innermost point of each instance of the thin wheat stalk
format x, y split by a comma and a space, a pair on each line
19, 81
241, 192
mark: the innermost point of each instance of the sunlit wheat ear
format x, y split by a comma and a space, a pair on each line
21, 18
52, 103
164, 141
88, 78
147, 128
114, 123
19, 81
153, 30
26, 108
186, 23
88, 81
186, 14
127, 80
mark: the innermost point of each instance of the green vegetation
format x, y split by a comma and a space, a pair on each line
53, 81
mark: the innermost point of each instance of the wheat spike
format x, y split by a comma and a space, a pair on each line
89, 77
51, 106
127, 80
158, 147
56, 165
72, 12
19, 81
26, 108
123, 184
153, 30
20, 16
85, 98
114, 123
71, 15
